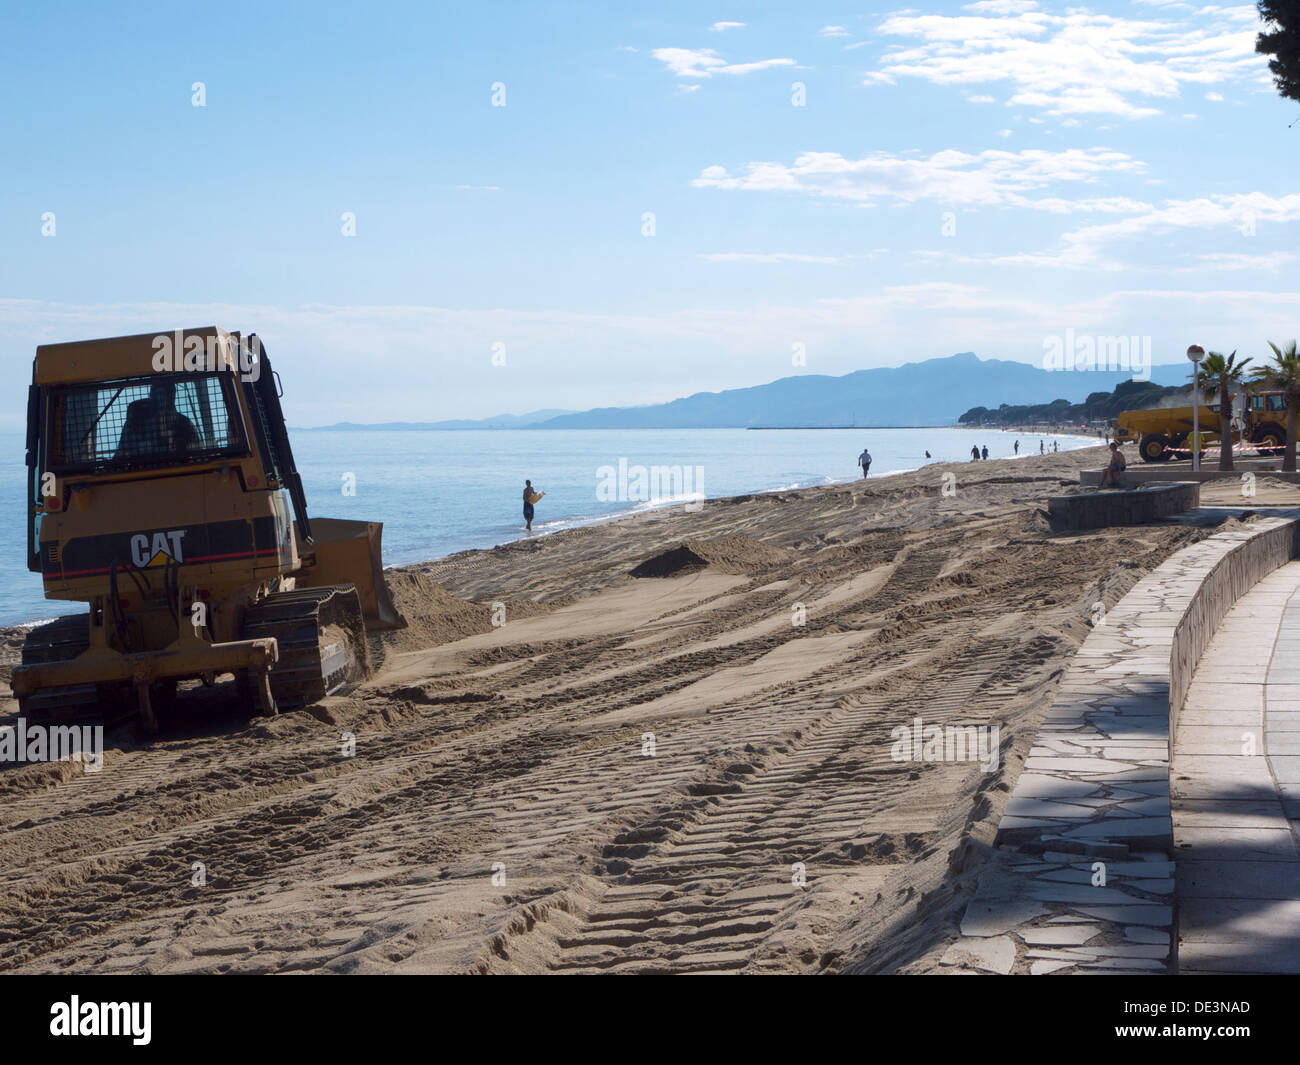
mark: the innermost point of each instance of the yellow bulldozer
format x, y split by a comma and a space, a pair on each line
1163, 432
162, 492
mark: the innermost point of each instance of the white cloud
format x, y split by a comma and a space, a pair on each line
1078, 62
1086, 248
705, 62
980, 98
768, 257
1237, 210
991, 178
722, 27
1270, 262
1002, 7
833, 32
481, 188
1214, 97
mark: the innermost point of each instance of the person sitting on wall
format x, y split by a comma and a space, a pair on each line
1116, 466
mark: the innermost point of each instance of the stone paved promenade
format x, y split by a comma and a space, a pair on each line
1236, 790
1089, 873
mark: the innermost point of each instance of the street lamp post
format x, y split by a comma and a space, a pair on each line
1196, 353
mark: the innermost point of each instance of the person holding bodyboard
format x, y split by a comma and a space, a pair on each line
530, 497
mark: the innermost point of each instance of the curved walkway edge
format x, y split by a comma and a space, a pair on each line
1236, 790
1083, 876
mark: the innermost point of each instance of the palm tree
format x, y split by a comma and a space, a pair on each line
1284, 374
1219, 374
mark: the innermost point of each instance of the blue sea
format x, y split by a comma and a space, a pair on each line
441, 491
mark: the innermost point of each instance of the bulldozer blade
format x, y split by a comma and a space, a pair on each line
350, 552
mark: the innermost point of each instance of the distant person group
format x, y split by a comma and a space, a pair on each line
976, 455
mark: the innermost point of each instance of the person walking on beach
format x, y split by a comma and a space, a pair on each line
974, 453
1056, 446
530, 497
1041, 449
985, 455
927, 454
1016, 447
864, 460
1116, 467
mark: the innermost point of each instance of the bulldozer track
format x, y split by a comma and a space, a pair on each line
318, 862
300, 620
711, 896
60, 640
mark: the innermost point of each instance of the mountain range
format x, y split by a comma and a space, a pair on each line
933, 392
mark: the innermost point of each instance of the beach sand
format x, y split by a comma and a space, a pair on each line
674, 755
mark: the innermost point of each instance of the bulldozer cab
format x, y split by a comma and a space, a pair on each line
94, 431
141, 422
137, 443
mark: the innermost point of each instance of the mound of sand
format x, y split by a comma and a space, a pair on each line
433, 615
739, 555
670, 563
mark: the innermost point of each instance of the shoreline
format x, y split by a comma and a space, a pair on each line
653, 507
646, 508
896, 490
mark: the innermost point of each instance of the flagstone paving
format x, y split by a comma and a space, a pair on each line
1083, 878
1236, 791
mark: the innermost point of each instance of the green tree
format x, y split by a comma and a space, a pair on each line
1284, 374
1219, 374
1282, 43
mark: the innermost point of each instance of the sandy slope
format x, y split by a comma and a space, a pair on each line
524, 748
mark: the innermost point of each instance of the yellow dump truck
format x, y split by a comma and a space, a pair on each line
1162, 431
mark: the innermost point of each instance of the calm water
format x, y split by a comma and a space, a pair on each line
443, 491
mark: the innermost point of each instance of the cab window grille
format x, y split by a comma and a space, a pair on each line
170, 420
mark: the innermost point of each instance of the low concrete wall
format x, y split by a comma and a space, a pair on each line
1096, 510
1083, 877
1255, 555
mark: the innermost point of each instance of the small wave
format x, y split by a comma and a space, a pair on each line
24, 626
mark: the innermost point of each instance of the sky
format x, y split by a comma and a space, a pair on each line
436, 211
